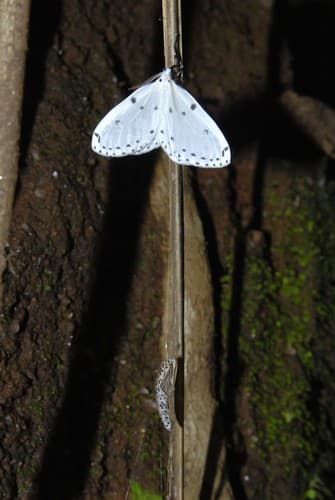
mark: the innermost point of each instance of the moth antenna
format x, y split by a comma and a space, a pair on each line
148, 80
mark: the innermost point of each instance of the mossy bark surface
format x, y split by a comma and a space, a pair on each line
83, 286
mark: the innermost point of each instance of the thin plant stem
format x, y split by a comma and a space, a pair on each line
175, 338
14, 24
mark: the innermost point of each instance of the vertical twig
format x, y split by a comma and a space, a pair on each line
14, 18
175, 341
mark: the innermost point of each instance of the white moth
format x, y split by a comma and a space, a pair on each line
162, 114
164, 386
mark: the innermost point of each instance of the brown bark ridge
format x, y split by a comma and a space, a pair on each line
200, 405
315, 118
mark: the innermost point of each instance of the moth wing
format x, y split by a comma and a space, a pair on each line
130, 128
193, 138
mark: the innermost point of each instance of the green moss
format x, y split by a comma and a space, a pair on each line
139, 493
283, 306
274, 346
36, 406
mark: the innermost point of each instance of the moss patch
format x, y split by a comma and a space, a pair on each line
139, 493
286, 309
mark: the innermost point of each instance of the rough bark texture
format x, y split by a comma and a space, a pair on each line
83, 287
